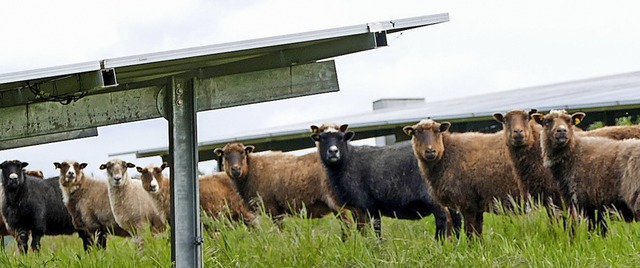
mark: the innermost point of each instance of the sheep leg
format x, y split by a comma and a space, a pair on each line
87, 239
471, 225
345, 221
361, 220
376, 221
454, 219
590, 213
23, 240
602, 222
443, 222
35, 240
102, 238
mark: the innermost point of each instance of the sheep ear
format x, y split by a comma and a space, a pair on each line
164, 165
409, 130
577, 117
349, 135
83, 165
219, 152
56, 164
24, 164
444, 126
139, 169
538, 118
498, 117
315, 136
343, 127
314, 129
103, 166
130, 165
532, 111
249, 148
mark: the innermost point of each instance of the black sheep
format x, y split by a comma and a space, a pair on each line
379, 181
34, 205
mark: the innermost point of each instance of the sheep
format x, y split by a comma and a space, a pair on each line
467, 171
377, 181
286, 183
522, 137
594, 172
217, 191
613, 132
33, 205
3, 227
155, 183
132, 207
86, 200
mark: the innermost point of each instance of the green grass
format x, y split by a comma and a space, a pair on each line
509, 241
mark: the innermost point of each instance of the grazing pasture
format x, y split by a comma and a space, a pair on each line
509, 241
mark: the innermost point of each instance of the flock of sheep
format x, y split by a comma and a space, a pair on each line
454, 176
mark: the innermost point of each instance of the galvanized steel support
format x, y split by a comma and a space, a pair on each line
186, 230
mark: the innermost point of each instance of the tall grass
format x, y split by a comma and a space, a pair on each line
527, 240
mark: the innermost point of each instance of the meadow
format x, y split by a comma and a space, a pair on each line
527, 240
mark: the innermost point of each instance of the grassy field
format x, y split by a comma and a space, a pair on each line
509, 241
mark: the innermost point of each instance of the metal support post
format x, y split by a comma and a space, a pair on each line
186, 231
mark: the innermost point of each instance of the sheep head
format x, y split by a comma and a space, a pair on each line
427, 139
117, 171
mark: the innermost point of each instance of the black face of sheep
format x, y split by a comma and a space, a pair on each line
427, 138
234, 157
559, 126
333, 146
69, 171
12, 173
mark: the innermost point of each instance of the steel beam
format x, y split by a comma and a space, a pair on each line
45, 118
186, 233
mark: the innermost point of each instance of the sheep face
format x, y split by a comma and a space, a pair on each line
558, 126
333, 145
427, 139
70, 172
151, 177
12, 173
234, 157
117, 171
516, 126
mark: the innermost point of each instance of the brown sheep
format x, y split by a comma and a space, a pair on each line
87, 201
132, 207
286, 183
522, 137
594, 172
158, 186
614, 132
467, 171
217, 191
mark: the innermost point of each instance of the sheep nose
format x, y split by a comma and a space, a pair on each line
561, 129
332, 150
117, 178
235, 168
518, 131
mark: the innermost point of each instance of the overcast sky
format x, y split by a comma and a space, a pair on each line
486, 46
